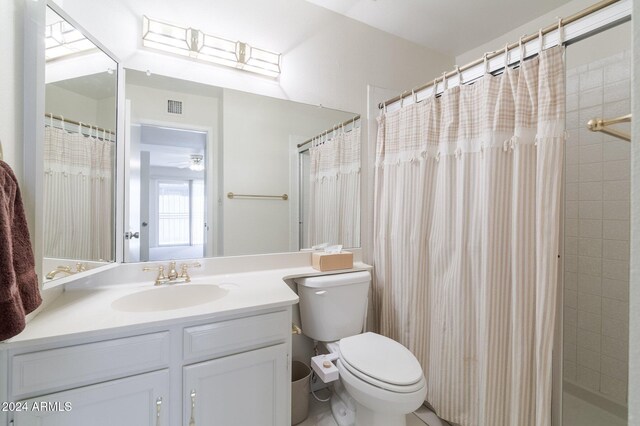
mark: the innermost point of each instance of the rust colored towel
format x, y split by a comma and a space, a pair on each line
19, 289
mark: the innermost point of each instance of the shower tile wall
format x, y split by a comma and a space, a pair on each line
596, 284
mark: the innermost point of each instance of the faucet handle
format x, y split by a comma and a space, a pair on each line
184, 270
161, 278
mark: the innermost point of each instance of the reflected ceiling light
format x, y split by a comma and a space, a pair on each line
62, 39
196, 163
198, 45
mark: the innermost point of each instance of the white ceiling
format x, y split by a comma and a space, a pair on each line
451, 26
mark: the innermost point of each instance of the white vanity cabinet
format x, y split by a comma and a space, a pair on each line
232, 370
238, 390
138, 400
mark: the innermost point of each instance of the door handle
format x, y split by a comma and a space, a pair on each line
192, 420
158, 410
131, 235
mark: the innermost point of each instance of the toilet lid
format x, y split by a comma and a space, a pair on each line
381, 358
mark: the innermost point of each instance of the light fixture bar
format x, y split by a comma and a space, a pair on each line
196, 44
62, 39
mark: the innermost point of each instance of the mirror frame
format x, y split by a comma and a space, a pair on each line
33, 132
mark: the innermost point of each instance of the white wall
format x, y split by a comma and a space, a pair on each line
71, 105
257, 134
105, 116
11, 94
150, 104
634, 296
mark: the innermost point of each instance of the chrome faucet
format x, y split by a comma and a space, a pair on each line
172, 276
80, 267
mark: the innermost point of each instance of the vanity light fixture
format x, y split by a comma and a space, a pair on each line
199, 45
62, 39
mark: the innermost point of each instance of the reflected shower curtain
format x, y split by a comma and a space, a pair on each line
78, 196
334, 206
466, 241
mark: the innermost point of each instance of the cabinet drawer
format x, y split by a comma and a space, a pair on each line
227, 337
57, 369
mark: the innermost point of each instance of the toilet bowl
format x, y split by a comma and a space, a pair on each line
383, 377
380, 380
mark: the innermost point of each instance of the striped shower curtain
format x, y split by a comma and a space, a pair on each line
78, 196
466, 240
334, 193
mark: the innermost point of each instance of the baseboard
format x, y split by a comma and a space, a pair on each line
596, 399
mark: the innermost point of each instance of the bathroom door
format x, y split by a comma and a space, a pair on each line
167, 193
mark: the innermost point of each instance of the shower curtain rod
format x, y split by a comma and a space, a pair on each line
77, 123
344, 123
574, 32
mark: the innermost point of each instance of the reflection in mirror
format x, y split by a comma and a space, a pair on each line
330, 189
79, 151
219, 172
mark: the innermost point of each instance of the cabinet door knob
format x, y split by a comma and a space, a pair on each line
192, 420
158, 410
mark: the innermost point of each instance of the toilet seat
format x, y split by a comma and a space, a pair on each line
381, 362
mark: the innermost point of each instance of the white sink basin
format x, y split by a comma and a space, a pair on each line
167, 298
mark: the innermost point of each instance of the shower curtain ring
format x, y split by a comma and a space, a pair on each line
485, 60
459, 75
541, 38
560, 32
506, 56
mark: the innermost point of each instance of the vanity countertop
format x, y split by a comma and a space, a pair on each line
80, 311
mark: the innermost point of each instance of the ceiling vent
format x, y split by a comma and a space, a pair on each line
174, 107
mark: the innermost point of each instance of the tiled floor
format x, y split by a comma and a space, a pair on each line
576, 412
320, 415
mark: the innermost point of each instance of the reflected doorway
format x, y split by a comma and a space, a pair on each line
170, 206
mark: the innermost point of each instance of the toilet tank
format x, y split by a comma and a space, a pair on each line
333, 306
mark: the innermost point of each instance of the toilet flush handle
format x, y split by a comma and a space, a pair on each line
321, 292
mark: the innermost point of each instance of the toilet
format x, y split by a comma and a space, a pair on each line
380, 381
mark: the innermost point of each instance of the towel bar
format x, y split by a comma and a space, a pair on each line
284, 197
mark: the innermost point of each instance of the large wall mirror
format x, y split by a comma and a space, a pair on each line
79, 149
220, 172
